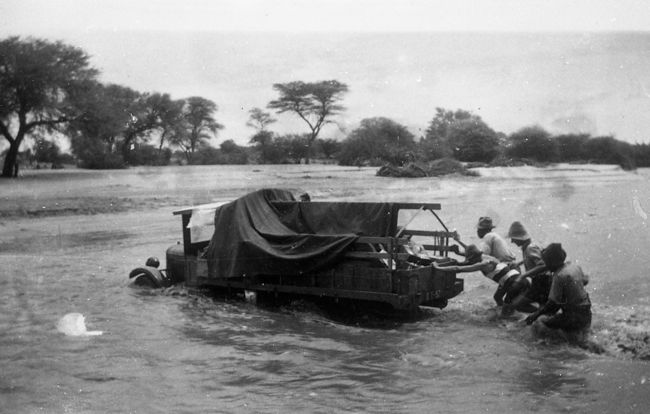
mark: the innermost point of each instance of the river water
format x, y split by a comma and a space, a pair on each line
171, 351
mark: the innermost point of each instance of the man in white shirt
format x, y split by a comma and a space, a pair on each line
491, 243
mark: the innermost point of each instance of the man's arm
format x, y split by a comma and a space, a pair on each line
460, 269
549, 307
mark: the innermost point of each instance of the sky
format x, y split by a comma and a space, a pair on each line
565, 65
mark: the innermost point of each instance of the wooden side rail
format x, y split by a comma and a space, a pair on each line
379, 248
440, 246
429, 233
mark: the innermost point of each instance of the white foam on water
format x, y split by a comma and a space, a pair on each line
74, 324
638, 209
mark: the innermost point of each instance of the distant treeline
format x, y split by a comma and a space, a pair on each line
48, 89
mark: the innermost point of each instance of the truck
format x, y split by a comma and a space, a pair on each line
269, 245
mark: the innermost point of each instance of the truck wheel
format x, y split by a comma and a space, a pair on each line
148, 276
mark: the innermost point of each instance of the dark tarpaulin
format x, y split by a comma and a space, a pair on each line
255, 236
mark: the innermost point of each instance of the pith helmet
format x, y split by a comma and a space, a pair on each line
518, 231
485, 223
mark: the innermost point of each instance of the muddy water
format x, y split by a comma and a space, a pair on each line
173, 352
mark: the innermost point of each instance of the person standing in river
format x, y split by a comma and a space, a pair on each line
492, 243
534, 268
567, 295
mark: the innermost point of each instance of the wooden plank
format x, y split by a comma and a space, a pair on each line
377, 255
188, 210
428, 233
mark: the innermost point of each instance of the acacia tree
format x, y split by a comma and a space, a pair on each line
259, 119
38, 79
314, 102
197, 126
263, 138
152, 112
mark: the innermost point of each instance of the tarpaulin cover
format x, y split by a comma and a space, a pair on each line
253, 235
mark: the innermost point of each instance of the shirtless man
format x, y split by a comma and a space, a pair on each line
567, 294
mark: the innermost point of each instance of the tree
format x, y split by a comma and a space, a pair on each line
259, 119
162, 114
97, 134
444, 119
314, 102
329, 147
435, 144
293, 147
571, 147
38, 79
149, 113
533, 142
378, 140
197, 126
46, 151
641, 154
263, 141
608, 150
472, 140
146, 154
233, 153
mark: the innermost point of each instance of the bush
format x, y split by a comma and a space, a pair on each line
446, 166
93, 153
436, 168
149, 155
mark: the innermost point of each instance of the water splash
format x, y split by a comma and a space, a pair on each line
74, 324
623, 331
638, 209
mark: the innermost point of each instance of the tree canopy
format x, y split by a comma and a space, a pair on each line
259, 119
378, 140
198, 126
436, 140
314, 102
473, 140
39, 80
533, 142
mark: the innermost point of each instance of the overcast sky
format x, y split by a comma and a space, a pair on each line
568, 66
